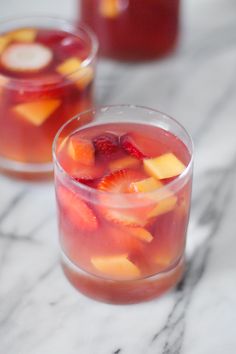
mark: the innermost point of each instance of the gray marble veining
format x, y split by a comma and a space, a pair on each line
41, 313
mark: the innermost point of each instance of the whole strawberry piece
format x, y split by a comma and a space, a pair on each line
131, 147
106, 143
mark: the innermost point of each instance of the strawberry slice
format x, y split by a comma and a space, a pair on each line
119, 181
81, 150
131, 147
77, 211
106, 144
126, 213
27, 57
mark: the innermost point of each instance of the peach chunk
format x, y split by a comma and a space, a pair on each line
73, 68
3, 82
164, 166
23, 35
81, 150
37, 112
146, 185
117, 267
122, 163
164, 206
140, 233
109, 8
4, 41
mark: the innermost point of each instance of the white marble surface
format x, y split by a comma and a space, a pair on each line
40, 313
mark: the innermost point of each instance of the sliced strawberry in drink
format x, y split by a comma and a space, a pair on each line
138, 145
87, 181
106, 143
26, 57
119, 181
125, 212
131, 147
77, 211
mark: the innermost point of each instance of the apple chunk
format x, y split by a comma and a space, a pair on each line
117, 267
37, 112
164, 166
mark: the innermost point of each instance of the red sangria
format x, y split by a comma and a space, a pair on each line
46, 77
133, 29
123, 186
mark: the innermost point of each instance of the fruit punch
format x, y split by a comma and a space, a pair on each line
133, 29
46, 77
123, 192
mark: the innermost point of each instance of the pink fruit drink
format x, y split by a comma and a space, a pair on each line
133, 29
122, 221
43, 82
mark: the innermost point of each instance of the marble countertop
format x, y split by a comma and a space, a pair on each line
40, 313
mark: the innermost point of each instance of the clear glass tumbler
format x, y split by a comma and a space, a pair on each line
123, 186
47, 69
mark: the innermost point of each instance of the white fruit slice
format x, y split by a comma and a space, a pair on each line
26, 57
37, 112
117, 267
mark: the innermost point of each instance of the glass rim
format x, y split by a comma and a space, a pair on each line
57, 20
130, 196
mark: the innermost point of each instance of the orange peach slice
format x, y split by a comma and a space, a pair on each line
69, 66
140, 233
164, 206
73, 68
37, 112
81, 150
23, 35
164, 166
3, 82
4, 41
109, 8
146, 185
84, 77
163, 260
122, 163
117, 267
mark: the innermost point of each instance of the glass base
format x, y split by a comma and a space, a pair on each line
26, 171
122, 292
